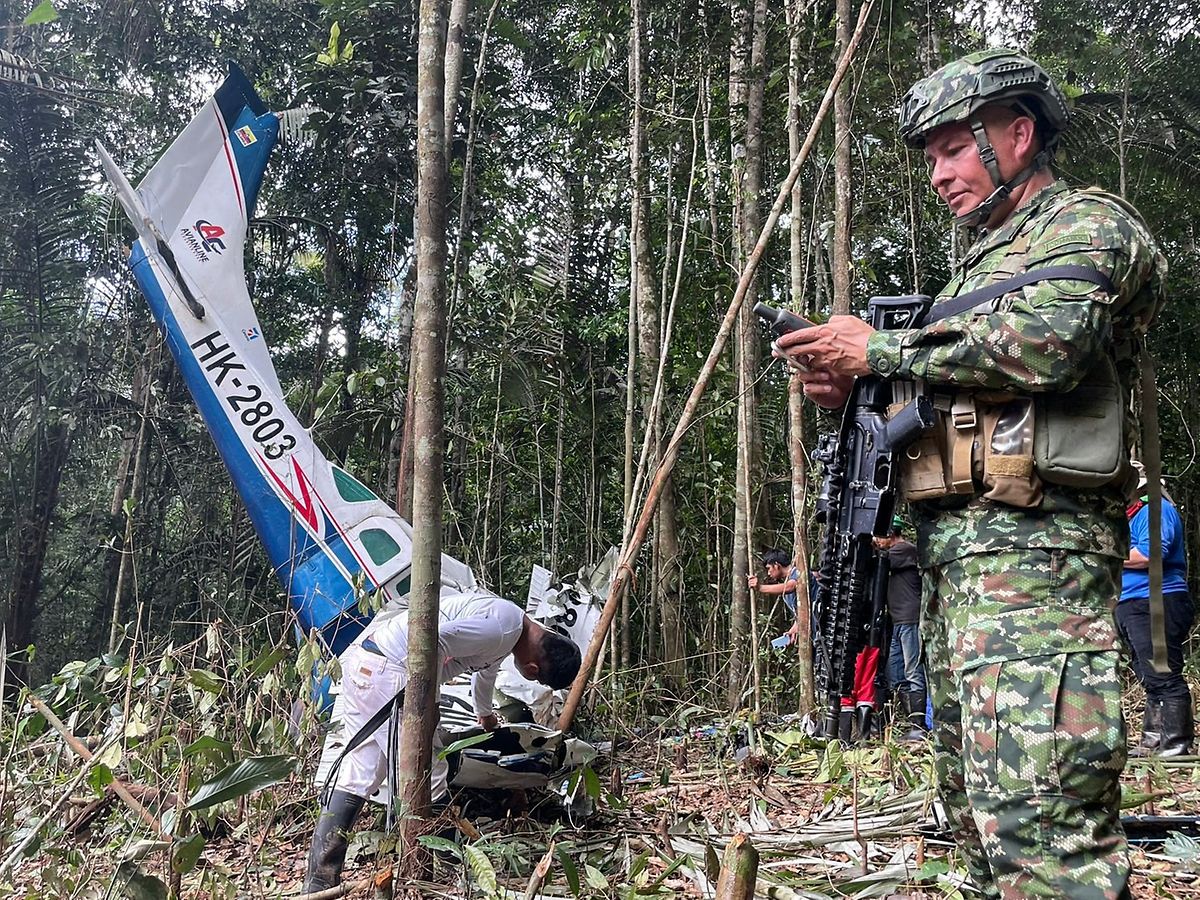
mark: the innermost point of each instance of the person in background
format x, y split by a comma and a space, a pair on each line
905, 671
1167, 728
783, 577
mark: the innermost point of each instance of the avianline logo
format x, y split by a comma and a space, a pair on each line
204, 238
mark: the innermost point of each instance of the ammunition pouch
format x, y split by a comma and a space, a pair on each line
1004, 446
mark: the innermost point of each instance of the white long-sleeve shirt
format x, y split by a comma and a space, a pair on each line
476, 631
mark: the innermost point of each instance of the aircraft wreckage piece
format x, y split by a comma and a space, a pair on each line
331, 539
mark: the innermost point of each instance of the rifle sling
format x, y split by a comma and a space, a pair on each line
971, 299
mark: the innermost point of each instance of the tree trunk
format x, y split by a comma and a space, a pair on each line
747, 64
456, 33
33, 528
842, 197
420, 703
741, 22
796, 454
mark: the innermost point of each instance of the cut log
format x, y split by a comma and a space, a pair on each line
739, 870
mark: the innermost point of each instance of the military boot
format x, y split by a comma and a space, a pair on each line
1178, 730
330, 839
846, 726
1151, 729
914, 707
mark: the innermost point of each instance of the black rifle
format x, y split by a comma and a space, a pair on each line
856, 504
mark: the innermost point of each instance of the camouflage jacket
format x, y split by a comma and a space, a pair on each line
1044, 337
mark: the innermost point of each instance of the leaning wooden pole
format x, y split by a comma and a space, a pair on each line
634, 545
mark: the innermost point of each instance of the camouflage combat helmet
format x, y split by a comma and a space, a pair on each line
957, 91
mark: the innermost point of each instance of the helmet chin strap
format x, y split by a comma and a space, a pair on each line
987, 155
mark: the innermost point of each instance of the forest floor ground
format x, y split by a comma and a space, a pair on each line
827, 822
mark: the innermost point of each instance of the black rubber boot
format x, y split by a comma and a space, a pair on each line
914, 711
1151, 729
328, 853
846, 726
864, 717
1178, 729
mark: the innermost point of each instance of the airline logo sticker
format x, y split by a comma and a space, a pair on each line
245, 135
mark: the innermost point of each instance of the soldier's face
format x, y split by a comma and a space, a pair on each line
955, 169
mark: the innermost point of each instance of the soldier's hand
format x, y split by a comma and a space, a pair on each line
838, 347
825, 388
752, 581
490, 722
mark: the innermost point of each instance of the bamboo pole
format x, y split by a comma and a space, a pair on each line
634, 544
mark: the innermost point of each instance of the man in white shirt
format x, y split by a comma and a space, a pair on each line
477, 631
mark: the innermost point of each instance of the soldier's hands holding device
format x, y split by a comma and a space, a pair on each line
827, 357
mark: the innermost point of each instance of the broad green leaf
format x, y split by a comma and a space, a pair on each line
440, 844
246, 777
932, 868
138, 885
307, 658
569, 869
591, 783
110, 756
42, 13
185, 853
206, 680
135, 727
99, 778
465, 743
211, 748
482, 869
594, 877
267, 660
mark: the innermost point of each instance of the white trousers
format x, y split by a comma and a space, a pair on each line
368, 682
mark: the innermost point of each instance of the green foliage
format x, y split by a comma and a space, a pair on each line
41, 14
241, 778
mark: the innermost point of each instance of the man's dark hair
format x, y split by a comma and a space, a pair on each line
776, 558
560, 661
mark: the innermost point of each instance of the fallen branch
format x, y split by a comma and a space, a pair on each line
84, 753
342, 890
634, 545
540, 871
19, 850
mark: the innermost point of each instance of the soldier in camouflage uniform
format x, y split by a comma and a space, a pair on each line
1018, 628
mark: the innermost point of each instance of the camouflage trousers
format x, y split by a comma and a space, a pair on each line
1029, 738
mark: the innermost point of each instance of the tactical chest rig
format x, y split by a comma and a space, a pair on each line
1008, 442
1012, 443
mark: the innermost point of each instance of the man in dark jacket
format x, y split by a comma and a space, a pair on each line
905, 671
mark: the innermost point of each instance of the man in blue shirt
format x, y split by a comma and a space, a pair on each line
1168, 727
783, 578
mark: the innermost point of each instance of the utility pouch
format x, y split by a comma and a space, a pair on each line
1079, 435
1009, 474
939, 462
